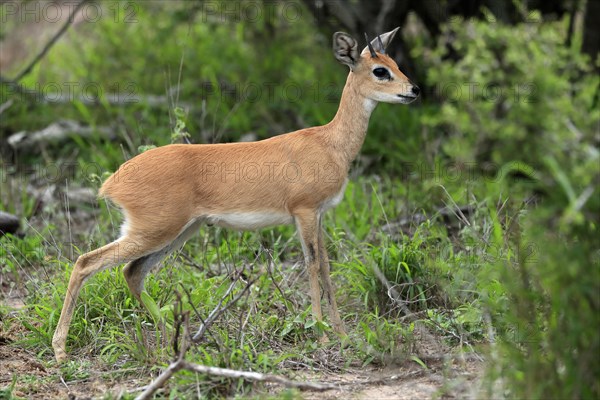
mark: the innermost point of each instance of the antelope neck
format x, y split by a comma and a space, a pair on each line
346, 132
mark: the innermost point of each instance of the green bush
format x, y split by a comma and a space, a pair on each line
506, 99
514, 111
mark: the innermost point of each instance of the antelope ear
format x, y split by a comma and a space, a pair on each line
386, 39
345, 49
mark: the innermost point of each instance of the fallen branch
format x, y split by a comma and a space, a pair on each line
228, 373
160, 381
5, 106
55, 132
257, 376
114, 99
182, 330
51, 43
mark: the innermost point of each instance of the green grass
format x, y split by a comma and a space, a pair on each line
449, 279
514, 279
273, 322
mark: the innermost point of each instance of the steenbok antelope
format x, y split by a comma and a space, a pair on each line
167, 192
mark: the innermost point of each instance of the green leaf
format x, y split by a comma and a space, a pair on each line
151, 306
310, 323
419, 361
561, 178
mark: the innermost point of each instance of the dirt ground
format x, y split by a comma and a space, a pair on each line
37, 381
444, 379
391, 383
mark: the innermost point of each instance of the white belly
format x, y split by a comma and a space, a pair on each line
247, 221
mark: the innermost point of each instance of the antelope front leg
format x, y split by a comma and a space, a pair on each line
308, 229
338, 325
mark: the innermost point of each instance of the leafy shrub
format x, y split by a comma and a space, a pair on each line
513, 110
506, 99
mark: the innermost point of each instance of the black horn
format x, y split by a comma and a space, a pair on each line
373, 54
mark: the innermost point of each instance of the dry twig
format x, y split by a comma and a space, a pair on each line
182, 330
228, 373
51, 43
218, 310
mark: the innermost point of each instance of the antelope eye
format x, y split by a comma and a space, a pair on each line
381, 73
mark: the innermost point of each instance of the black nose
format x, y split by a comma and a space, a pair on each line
416, 90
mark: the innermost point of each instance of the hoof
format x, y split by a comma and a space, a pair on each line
60, 354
